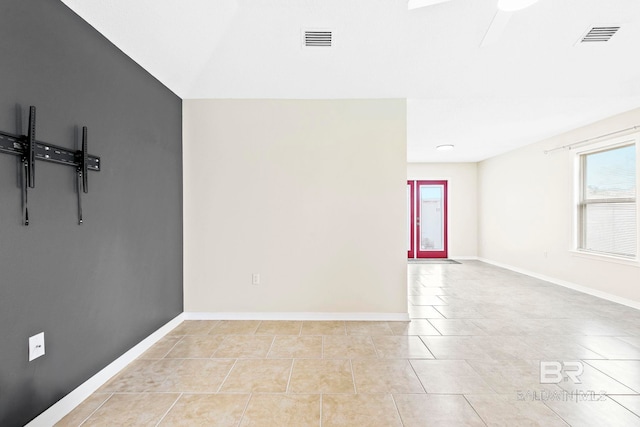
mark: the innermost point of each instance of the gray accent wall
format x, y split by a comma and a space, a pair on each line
97, 289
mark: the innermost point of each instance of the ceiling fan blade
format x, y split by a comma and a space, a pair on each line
416, 4
497, 27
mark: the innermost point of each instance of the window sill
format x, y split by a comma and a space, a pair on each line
634, 262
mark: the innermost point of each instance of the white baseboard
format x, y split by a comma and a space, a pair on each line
65, 405
297, 316
584, 289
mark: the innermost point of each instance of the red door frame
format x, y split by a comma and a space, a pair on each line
412, 219
431, 254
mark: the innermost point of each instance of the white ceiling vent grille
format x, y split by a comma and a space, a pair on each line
317, 38
599, 34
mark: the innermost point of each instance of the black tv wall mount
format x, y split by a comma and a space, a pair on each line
29, 149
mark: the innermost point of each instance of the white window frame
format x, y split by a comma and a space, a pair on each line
608, 144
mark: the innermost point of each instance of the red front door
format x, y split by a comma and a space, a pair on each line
428, 219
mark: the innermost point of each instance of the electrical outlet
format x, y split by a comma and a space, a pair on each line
36, 346
255, 278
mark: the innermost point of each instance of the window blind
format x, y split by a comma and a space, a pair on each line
608, 207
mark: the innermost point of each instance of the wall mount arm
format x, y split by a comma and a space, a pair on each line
29, 149
81, 171
30, 154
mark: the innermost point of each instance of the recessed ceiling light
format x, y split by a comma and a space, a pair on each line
513, 5
445, 147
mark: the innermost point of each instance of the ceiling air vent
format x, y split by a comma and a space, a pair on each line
599, 34
317, 38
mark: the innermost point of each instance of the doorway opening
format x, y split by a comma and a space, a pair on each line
427, 219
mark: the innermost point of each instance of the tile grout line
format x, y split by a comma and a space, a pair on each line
611, 398
320, 409
585, 361
428, 349
212, 327
266, 356
479, 374
227, 376
135, 393
375, 348
560, 416
413, 368
441, 314
353, 377
96, 410
219, 345
286, 390
169, 410
464, 396
214, 351
434, 327
172, 347
244, 411
444, 301
257, 327
395, 404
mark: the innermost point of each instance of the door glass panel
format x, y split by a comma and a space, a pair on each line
431, 218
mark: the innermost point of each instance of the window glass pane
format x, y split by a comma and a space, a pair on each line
610, 228
608, 225
611, 174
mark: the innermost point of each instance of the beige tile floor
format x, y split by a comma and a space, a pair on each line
470, 357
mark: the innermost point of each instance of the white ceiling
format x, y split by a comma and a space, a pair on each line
535, 82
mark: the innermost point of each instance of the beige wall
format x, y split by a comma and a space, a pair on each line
462, 204
308, 193
526, 209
